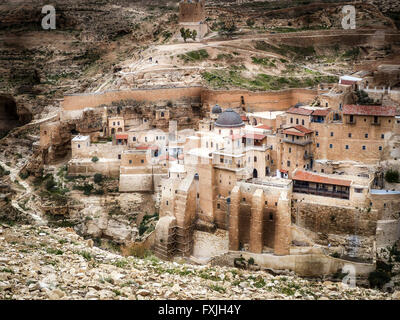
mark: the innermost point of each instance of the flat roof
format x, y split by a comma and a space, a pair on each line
265, 114
81, 138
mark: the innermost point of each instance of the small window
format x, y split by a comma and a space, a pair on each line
316, 133
297, 121
380, 148
347, 146
290, 150
79, 145
167, 202
271, 217
244, 199
134, 139
142, 161
331, 146
349, 135
218, 206
364, 147
255, 159
358, 190
302, 122
130, 161
331, 134
383, 136
366, 136
288, 163
119, 156
317, 145
291, 120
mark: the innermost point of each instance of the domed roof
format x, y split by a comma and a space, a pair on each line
229, 118
216, 109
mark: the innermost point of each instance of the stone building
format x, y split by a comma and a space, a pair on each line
192, 16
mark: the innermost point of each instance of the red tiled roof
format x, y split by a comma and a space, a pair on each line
321, 112
301, 131
300, 111
254, 136
347, 82
294, 133
311, 177
385, 111
121, 136
263, 126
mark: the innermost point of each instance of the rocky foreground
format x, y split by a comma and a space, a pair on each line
44, 263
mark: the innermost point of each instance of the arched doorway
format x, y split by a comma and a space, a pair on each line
255, 173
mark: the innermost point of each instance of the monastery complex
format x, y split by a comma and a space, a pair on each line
282, 174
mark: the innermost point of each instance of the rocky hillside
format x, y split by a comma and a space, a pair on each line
44, 263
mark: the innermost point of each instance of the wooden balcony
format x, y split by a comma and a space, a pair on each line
322, 192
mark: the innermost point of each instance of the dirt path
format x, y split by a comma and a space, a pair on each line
32, 210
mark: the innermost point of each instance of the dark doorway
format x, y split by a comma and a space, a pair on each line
255, 173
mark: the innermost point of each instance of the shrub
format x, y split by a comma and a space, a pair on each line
378, 278
98, 178
392, 176
95, 159
250, 261
50, 184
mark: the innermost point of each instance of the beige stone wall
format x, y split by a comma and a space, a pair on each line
340, 139
257, 101
192, 11
88, 167
323, 216
100, 150
81, 101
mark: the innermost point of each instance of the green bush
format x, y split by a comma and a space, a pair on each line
98, 178
50, 184
392, 176
95, 159
378, 278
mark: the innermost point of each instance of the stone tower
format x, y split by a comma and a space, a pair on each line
192, 11
192, 15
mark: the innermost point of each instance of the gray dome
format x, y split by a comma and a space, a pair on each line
229, 118
216, 109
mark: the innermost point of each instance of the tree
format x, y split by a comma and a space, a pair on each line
98, 177
228, 27
194, 34
188, 34
392, 176
183, 34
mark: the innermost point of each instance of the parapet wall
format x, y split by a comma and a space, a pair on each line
91, 100
73, 105
258, 101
